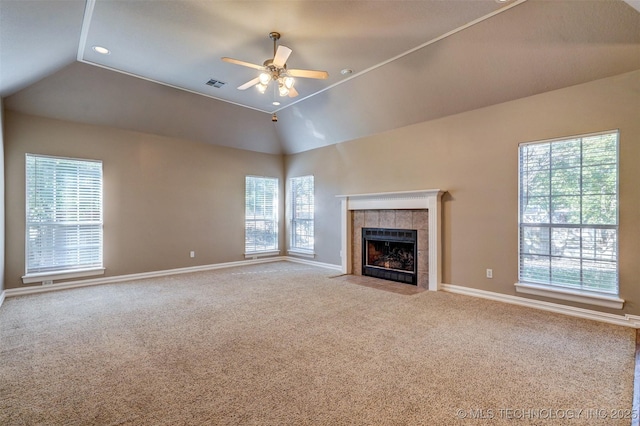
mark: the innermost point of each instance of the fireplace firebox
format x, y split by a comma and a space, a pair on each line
390, 254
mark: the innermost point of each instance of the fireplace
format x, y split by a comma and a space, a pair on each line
419, 210
390, 254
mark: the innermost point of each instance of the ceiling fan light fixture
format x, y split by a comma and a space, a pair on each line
283, 90
288, 81
261, 87
265, 78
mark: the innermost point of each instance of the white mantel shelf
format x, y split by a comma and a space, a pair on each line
429, 199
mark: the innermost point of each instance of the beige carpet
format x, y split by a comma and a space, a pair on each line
286, 344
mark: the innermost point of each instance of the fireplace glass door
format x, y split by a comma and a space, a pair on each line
390, 254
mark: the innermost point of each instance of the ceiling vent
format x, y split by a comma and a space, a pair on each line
215, 83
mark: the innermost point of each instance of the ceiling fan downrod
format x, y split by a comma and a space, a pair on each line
275, 36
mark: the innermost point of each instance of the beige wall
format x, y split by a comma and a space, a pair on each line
163, 197
474, 156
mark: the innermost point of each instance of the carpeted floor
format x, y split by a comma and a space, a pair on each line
288, 344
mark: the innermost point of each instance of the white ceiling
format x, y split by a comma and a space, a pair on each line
412, 60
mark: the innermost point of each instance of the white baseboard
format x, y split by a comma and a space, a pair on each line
313, 263
624, 320
23, 291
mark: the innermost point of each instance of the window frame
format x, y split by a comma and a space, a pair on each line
565, 290
274, 219
50, 273
294, 248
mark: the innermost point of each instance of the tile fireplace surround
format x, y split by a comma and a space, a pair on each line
416, 202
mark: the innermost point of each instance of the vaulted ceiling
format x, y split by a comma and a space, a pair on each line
410, 61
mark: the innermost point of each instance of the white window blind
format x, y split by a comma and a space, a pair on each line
261, 214
64, 214
569, 213
302, 211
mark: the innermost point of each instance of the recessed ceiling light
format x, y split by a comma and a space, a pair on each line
276, 103
502, 1
101, 50
346, 71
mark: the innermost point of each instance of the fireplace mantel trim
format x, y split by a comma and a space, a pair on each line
429, 199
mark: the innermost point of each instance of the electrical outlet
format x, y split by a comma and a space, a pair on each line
489, 273
47, 282
192, 253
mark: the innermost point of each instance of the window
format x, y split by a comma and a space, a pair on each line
302, 213
569, 213
64, 215
261, 214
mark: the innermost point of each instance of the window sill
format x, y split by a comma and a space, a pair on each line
590, 298
301, 253
257, 254
61, 275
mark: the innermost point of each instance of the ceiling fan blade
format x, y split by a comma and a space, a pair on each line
281, 56
308, 74
249, 84
293, 92
243, 63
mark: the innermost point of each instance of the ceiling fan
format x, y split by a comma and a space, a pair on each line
275, 69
